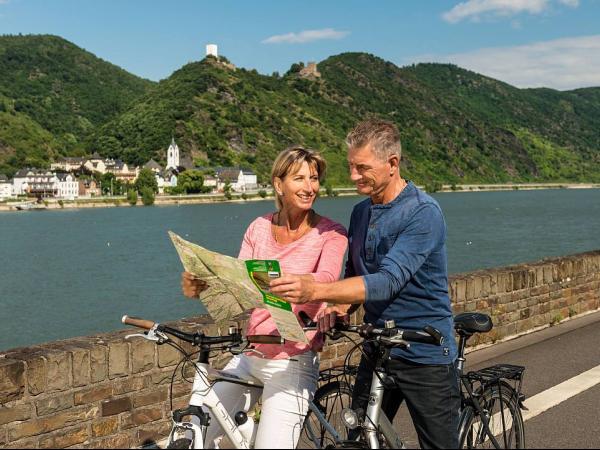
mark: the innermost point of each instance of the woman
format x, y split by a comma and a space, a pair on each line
304, 243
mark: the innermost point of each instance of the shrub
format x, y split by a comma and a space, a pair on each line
148, 196
61, 203
262, 193
132, 197
244, 196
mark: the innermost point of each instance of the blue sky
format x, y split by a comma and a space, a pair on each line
528, 43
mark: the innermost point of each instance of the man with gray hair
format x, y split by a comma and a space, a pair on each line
397, 269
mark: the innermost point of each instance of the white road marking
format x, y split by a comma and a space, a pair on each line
555, 395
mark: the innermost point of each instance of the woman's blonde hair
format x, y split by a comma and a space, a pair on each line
289, 161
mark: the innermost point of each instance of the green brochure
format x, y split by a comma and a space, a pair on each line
262, 272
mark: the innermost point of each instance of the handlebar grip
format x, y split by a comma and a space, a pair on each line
137, 322
429, 335
256, 339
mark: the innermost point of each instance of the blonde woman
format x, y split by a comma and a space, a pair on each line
306, 244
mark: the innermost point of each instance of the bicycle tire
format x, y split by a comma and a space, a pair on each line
509, 433
330, 398
181, 444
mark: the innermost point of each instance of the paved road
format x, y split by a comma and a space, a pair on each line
552, 356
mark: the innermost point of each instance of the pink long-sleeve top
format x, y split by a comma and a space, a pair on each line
319, 252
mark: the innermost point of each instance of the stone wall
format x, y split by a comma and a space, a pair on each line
107, 392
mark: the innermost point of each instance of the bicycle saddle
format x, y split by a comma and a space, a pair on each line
472, 322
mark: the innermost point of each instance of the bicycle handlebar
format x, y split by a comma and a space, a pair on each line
201, 339
428, 335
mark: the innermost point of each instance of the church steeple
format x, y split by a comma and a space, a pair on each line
173, 155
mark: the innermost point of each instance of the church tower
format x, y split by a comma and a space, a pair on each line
173, 155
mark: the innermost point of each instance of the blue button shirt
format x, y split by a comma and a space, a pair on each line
400, 251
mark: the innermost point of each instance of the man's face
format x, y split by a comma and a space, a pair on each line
370, 174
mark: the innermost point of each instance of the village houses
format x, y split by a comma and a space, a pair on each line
61, 181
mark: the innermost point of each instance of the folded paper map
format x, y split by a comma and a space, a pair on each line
235, 288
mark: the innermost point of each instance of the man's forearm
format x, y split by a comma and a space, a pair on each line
348, 291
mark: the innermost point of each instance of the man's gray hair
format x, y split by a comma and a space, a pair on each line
383, 136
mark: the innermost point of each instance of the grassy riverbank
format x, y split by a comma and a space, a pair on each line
121, 201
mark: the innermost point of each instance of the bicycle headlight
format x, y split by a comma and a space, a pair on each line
350, 418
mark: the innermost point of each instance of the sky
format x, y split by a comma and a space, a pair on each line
527, 43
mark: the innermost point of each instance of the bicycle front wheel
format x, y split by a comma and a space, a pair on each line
500, 406
330, 399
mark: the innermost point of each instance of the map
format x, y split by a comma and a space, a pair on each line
233, 289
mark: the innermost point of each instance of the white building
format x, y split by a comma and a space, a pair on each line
173, 155
241, 180
6, 187
45, 184
166, 179
68, 186
68, 164
36, 183
212, 50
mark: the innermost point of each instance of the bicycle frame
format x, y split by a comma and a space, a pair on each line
203, 396
375, 418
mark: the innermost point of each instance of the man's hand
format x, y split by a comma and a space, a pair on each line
294, 288
192, 286
327, 320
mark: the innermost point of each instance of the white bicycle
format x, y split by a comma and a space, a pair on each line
323, 429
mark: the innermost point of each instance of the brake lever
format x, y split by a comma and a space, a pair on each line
152, 335
143, 335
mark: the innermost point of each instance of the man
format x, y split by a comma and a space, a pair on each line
397, 269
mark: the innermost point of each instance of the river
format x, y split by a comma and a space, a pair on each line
69, 273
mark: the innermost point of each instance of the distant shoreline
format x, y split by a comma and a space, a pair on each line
121, 201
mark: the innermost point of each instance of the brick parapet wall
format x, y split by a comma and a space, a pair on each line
107, 392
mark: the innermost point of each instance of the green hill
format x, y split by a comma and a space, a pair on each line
55, 87
457, 126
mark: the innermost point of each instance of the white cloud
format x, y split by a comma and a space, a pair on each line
476, 10
562, 64
306, 36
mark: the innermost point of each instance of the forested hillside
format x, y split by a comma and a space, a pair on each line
53, 94
457, 126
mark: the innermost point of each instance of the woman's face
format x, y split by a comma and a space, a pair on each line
299, 190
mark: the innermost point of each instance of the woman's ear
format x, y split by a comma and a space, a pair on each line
277, 185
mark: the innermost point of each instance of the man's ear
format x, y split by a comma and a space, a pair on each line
394, 162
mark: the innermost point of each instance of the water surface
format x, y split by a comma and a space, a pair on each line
68, 273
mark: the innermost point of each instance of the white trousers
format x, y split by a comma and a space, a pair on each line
289, 385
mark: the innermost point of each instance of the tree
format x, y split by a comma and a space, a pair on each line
147, 179
110, 185
190, 182
295, 68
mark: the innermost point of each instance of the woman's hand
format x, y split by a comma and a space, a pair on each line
192, 286
294, 288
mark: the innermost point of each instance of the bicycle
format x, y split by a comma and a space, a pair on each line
491, 398
320, 428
